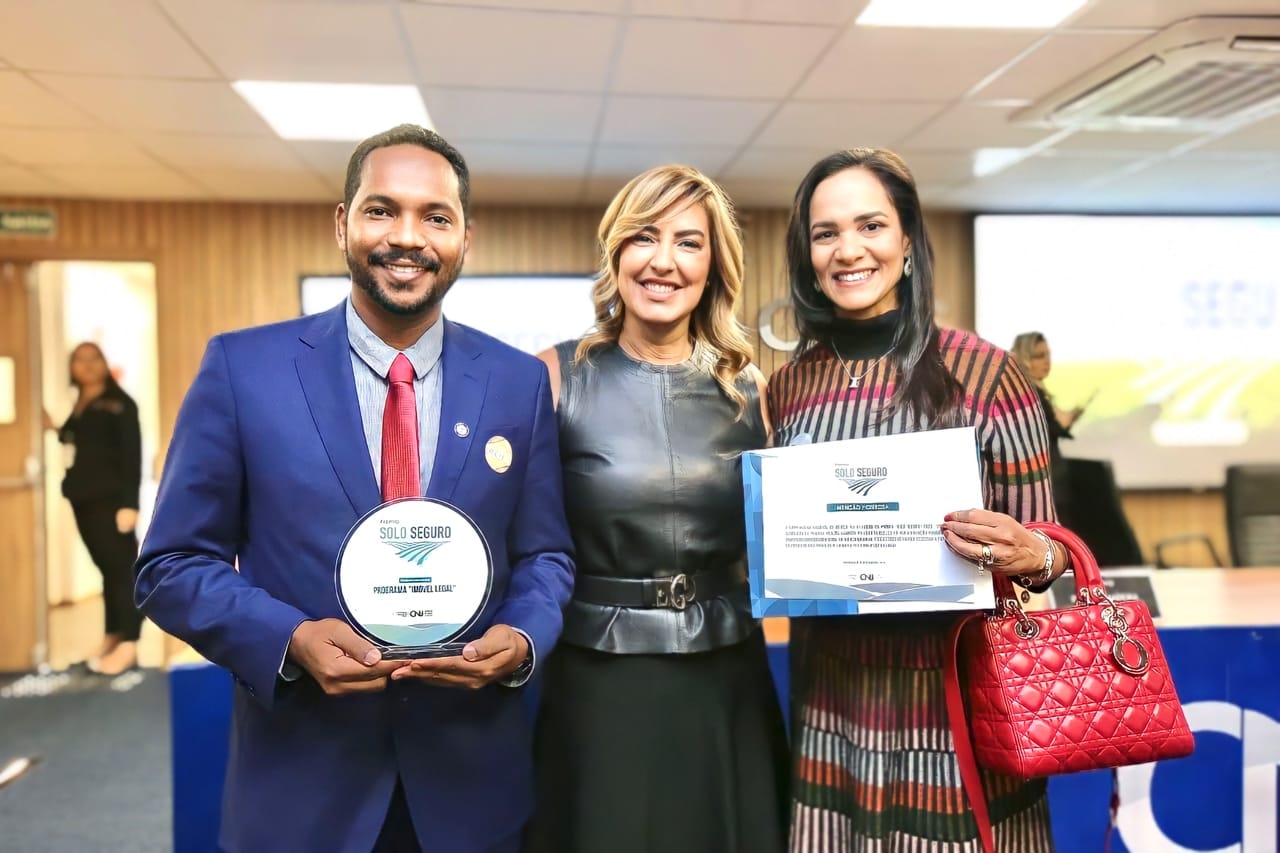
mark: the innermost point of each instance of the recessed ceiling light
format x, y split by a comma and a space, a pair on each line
971, 14
340, 112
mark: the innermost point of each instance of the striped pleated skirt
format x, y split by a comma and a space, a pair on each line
873, 764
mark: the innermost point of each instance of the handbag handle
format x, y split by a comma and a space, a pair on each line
1085, 566
1088, 587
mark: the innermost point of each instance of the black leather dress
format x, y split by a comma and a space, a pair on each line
659, 729
653, 489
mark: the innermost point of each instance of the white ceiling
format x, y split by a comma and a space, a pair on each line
559, 101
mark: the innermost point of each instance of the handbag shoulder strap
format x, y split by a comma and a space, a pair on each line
970, 778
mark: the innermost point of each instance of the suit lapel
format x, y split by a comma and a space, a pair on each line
461, 400
329, 386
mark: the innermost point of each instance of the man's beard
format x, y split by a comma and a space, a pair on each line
362, 277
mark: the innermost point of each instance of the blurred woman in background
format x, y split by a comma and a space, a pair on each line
102, 484
1032, 351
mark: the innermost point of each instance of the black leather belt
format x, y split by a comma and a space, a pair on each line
676, 592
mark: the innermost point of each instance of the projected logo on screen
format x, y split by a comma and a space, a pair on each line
1166, 337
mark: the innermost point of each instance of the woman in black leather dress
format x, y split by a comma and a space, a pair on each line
659, 728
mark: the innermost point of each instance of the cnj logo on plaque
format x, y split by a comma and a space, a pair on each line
413, 575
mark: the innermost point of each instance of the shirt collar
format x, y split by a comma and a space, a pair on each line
378, 354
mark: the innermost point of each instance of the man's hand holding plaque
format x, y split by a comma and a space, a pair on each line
494, 656
339, 659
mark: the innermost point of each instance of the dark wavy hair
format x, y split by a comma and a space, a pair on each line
408, 134
927, 390
111, 383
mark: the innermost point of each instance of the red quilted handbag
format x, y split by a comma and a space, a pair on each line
1060, 691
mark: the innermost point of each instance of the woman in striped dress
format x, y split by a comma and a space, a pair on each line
874, 768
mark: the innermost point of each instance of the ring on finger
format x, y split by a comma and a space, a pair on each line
987, 557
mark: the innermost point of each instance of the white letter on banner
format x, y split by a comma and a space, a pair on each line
1261, 757
1260, 741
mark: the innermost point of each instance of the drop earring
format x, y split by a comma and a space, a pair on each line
906, 266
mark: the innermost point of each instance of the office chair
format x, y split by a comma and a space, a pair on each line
1253, 514
1163, 561
1096, 514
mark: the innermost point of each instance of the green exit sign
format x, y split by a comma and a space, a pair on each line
27, 222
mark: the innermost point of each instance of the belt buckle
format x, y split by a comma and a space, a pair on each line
678, 593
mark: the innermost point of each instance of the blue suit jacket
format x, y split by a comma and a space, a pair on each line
269, 467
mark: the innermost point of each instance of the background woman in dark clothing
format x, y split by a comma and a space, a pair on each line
660, 731
1032, 352
102, 485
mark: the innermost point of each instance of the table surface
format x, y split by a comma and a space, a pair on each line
1188, 598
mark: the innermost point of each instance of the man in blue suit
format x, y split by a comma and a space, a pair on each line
278, 451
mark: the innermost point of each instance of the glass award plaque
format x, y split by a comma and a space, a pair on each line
413, 575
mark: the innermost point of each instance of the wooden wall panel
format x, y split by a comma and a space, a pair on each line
1158, 515
18, 557
224, 266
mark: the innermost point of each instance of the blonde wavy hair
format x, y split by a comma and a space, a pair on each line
1024, 349
718, 337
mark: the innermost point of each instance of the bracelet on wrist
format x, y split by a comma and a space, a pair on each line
1046, 572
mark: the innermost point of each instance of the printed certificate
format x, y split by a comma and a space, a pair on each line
854, 526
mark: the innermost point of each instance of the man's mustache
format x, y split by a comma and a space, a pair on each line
410, 258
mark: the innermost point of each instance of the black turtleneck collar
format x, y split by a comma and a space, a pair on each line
870, 338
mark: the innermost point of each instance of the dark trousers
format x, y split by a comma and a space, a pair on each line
398, 836
114, 554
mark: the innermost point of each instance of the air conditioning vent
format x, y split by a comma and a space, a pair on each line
1200, 75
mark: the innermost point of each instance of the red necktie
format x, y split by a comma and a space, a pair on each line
401, 473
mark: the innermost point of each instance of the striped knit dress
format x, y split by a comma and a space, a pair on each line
873, 764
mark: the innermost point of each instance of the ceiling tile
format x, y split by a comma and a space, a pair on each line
1261, 136
462, 115
263, 185
1124, 141
971, 125
157, 183
779, 165
208, 152
602, 7
327, 158
627, 161
933, 170
1186, 185
1059, 60
1046, 182
811, 11
538, 50
844, 124
725, 60
176, 105
891, 64
15, 180
24, 104
632, 120
1159, 14
494, 158
930, 168
71, 147
128, 37
256, 40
